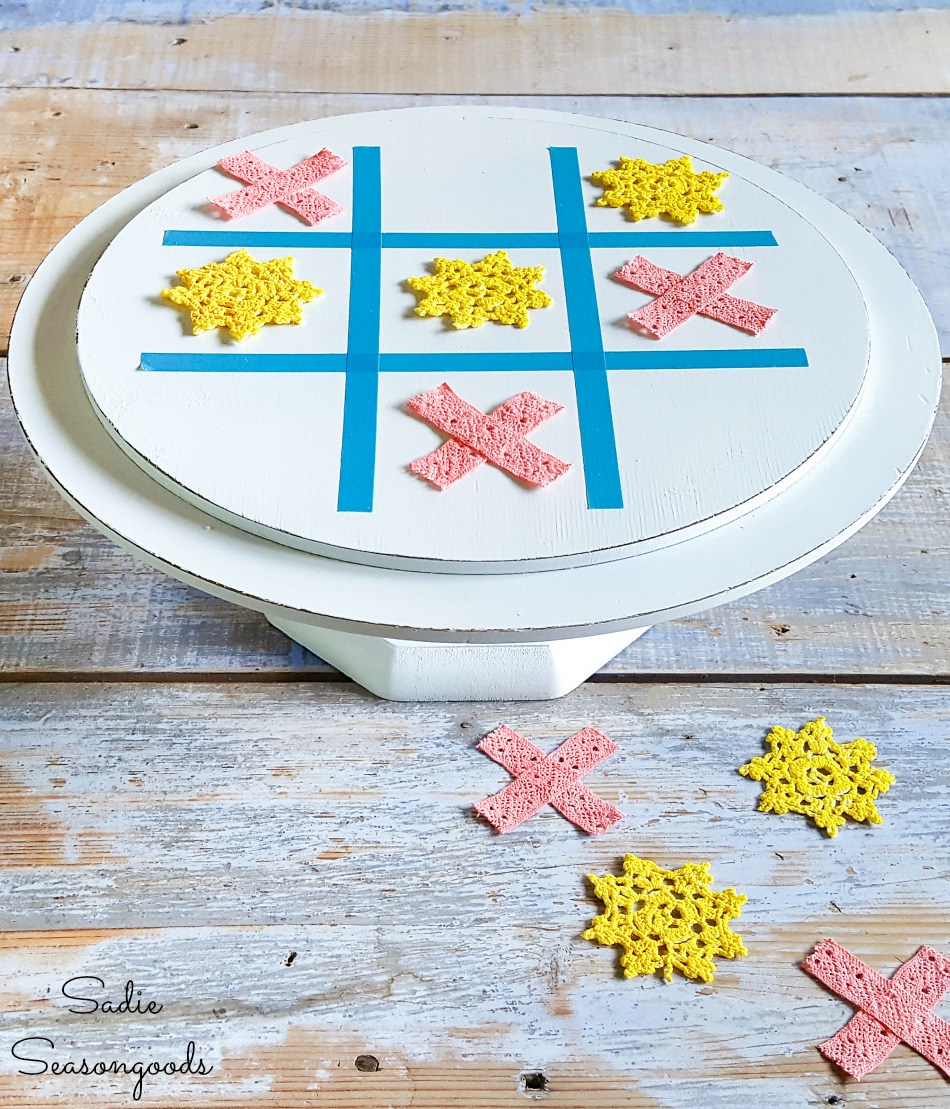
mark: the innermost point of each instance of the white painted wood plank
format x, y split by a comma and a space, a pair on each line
543, 49
214, 830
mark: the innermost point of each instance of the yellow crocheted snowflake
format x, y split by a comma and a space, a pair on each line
807, 772
473, 292
646, 189
666, 919
241, 294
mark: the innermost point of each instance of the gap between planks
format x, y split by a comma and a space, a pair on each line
505, 98
315, 677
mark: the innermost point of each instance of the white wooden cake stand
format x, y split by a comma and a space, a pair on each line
273, 472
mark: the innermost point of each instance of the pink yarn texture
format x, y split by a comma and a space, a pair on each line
703, 292
291, 188
476, 438
553, 779
891, 1010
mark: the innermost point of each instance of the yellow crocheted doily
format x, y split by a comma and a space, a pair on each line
241, 294
807, 772
647, 190
473, 292
666, 919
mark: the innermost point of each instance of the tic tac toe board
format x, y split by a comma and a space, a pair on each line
275, 471
301, 433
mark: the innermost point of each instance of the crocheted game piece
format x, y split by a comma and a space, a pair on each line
890, 1010
646, 189
553, 779
666, 919
807, 772
241, 294
453, 460
864, 1043
290, 188
650, 278
499, 439
472, 292
682, 296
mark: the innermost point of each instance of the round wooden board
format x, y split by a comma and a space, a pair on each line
666, 439
843, 485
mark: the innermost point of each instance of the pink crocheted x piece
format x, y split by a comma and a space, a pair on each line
891, 1010
476, 438
521, 414
702, 292
291, 188
553, 779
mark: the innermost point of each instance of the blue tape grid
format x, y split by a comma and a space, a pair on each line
473, 363
363, 361
360, 404
598, 441
504, 241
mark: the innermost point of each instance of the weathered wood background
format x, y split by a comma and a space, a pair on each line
188, 798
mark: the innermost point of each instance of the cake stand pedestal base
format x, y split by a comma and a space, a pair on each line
413, 670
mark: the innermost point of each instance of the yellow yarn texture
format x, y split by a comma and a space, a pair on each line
807, 772
646, 189
666, 919
473, 292
241, 294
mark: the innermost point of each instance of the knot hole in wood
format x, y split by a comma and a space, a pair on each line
533, 1082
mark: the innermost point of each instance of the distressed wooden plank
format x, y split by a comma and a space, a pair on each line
64, 152
73, 603
182, 12
191, 838
549, 49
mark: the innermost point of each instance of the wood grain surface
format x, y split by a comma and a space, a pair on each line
553, 48
192, 837
289, 866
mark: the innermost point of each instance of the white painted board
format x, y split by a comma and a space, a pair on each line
696, 445
846, 484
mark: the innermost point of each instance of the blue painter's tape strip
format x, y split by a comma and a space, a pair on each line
598, 435
459, 240
473, 363
244, 363
705, 359
598, 438
308, 240
358, 448
574, 240
275, 239
360, 404
682, 238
